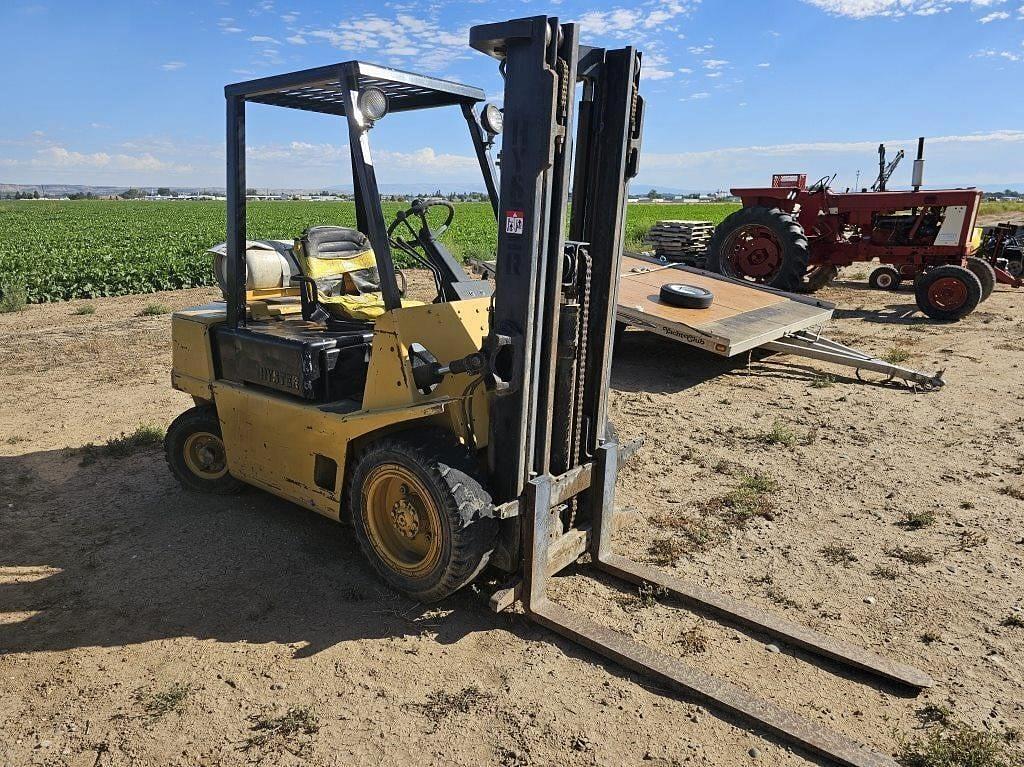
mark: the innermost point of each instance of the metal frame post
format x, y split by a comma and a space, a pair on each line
365, 182
236, 225
483, 156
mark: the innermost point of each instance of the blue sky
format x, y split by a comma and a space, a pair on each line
131, 91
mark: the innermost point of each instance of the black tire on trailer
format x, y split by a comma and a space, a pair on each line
985, 273
947, 292
686, 296
885, 277
195, 453
818, 278
421, 517
765, 245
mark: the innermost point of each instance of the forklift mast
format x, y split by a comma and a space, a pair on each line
553, 463
554, 301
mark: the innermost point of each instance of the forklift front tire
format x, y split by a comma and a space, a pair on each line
195, 453
421, 517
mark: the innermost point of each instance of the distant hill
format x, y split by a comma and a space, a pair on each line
636, 188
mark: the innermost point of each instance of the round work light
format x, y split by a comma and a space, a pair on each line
492, 119
372, 103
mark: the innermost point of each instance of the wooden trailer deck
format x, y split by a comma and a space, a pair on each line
741, 317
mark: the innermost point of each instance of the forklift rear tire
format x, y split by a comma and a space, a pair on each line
985, 273
195, 454
947, 292
885, 278
421, 518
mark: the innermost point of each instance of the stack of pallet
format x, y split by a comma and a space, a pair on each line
681, 240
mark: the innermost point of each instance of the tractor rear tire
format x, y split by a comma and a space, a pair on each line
818, 278
764, 245
985, 273
195, 453
421, 517
885, 278
948, 292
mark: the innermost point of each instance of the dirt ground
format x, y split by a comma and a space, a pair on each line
142, 625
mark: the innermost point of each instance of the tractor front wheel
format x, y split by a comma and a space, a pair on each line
885, 278
985, 273
420, 516
948, 292
763, 245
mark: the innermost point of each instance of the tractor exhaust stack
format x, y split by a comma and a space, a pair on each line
918, 179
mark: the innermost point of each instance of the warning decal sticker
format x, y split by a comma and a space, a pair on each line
514, 221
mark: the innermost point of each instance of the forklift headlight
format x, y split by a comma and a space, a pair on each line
492, 119
372, 103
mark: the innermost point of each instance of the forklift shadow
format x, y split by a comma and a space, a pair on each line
115, 553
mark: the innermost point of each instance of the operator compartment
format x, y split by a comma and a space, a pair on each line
316, 346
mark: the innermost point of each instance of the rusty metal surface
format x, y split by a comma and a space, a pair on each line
734, 611
706, 689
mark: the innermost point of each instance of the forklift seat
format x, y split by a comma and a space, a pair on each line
341, 263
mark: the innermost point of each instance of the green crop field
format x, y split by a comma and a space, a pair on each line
58, 250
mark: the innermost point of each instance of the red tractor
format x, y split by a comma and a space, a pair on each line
795, 237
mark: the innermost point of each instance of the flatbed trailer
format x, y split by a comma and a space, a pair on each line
743, 317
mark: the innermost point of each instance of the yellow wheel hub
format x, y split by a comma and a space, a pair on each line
402, 520
205, 456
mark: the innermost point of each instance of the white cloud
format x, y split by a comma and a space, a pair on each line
994, 16
263, 39
171, 66
994, 157
713, 74
296, 39
714, 63
290, 17
395, 40
227, 25
656, 67
59, 158
697, 96
699, 50
764, 65
686, 70
633, 20
862, 9
990, 53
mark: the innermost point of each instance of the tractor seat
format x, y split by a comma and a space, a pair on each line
341, 263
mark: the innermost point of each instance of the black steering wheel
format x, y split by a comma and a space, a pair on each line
822, 183
419, 210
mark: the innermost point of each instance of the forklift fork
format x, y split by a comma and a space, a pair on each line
542, 533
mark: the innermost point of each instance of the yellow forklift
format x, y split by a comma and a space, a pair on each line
470, 432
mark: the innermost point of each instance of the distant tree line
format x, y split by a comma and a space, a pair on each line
33, 195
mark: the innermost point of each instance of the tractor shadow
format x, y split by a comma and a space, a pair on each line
116, 553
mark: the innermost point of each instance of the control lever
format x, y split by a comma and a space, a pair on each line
427, 372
